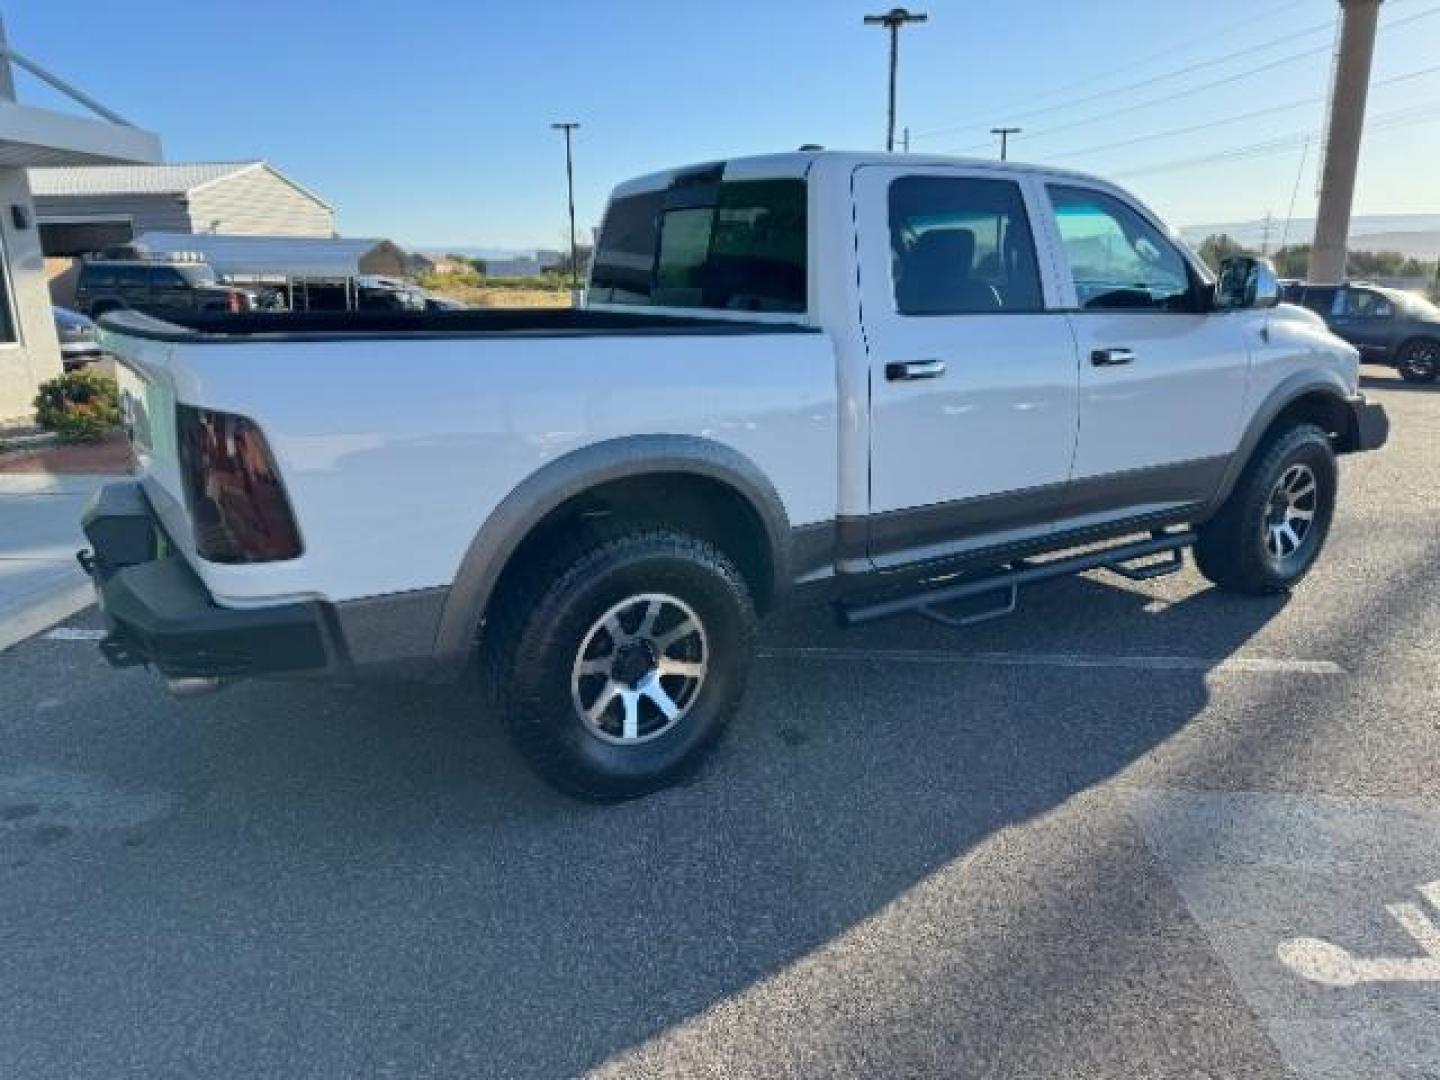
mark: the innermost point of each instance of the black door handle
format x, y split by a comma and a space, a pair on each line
1111, 357
908, 371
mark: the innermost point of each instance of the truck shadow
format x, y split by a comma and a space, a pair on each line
1392, 381
557, 935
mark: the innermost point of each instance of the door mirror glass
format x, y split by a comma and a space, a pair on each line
1246, 282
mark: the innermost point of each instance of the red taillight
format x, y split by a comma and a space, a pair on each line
237, 504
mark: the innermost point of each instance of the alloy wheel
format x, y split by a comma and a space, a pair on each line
639, 669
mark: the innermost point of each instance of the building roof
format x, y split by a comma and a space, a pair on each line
179, 179
268, 256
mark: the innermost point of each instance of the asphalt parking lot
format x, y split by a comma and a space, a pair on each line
1135, 830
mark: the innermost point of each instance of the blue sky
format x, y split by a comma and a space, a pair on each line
427, 121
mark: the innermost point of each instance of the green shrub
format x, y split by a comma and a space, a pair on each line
79, 406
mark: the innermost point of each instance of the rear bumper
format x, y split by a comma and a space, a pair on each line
1369, 425
158, 612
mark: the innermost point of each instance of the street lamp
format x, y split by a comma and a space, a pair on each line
1005, 133
893, 20
567, 127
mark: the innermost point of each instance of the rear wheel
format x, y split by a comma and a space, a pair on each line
620, 661
1419, 361
1270, 530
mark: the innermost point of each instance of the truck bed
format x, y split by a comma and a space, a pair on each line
348, 325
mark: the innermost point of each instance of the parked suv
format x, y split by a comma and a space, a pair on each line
157, 286
1388, 326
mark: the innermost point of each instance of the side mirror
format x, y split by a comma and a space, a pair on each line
1246, 282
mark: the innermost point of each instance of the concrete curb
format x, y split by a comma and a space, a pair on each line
43, 614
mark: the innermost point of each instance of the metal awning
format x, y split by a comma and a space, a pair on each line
274, 258
31, 136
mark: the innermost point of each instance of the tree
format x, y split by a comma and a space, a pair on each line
1293, 262
1218, 247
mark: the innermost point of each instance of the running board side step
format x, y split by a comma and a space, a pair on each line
924, 601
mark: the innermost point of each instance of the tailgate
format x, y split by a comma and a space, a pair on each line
147, 410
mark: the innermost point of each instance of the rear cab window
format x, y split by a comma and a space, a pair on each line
706, 242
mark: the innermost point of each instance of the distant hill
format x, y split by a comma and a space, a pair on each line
472, 252
1409, 234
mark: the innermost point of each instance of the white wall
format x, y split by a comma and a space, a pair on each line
35, 357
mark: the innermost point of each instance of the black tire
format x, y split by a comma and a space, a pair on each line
1419, 361
1234, 548
550, 611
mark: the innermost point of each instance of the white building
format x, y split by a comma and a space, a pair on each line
32, 137
83, 210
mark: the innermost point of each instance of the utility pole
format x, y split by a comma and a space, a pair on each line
1265, 234
893, 20
1342, 141
1005, 133
567, 127
905, 140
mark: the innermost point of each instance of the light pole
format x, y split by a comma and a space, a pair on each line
1005, 134
893, 20
567, 127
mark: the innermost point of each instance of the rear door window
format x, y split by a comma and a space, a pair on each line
97, 277
961, 247
133, 277
732, 246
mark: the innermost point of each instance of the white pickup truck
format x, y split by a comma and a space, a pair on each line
888, 382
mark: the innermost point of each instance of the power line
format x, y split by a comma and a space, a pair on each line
1173, 96
1192, 128
1285, 39
1425, 112
1189, 91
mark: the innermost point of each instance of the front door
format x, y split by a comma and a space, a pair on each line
1162, 376
1366, 319
972, 379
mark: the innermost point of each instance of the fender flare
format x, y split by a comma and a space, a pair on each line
527, 504
1280, 398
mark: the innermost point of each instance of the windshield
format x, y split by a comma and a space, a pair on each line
197, 275
1413, 305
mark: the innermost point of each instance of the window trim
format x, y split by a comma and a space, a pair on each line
16, 340
1017, 181
1201, 280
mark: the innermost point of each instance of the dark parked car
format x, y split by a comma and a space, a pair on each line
158, 287
77, 338
1388, 326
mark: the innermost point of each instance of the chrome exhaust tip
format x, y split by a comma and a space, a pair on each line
192, 686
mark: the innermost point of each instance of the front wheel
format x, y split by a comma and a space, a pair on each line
1419, 361
1270, 530
621, 661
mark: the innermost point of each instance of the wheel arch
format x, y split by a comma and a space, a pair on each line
694, 482
1303, 398
1432, 336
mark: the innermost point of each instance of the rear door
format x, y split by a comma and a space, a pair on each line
1162, 376
170, 293
132, 284
972, 379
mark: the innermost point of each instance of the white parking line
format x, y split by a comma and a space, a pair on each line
73, 633
1251, 664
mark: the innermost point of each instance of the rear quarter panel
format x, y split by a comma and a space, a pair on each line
394, 452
